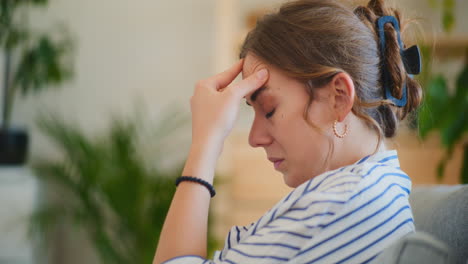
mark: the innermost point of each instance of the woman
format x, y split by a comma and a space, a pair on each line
327, 84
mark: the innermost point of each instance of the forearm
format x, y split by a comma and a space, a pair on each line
185, 228
214, 105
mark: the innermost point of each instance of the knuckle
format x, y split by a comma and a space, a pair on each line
206, 83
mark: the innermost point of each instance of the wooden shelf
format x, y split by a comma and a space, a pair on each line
449, 46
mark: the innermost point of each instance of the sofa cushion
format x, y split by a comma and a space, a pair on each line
442, 211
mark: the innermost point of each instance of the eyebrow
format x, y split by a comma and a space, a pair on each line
255, 94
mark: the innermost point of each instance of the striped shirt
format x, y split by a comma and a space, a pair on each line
348, 215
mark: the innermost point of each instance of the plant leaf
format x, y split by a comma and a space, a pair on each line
433, 108
448, 16
454, 124
464, 170
43, 64
461, 92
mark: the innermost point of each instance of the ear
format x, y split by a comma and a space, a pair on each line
342, 88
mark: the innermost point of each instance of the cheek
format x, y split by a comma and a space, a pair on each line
315, 134
297, 137
310, 144
306, 149
321, 115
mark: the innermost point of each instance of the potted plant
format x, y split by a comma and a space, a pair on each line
32, 62
110, 186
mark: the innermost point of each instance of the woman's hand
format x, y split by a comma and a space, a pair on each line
215, 104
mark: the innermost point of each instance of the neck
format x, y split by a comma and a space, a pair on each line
360, 141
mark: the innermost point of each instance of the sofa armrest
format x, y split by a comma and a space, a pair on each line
416, 248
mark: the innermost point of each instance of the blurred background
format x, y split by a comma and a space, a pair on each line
96, 120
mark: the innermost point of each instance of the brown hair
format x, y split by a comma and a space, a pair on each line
312, 40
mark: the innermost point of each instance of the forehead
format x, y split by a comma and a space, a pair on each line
251, 65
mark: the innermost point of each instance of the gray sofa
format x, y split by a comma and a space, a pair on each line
441, 220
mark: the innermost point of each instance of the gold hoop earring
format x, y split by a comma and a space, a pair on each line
336, 132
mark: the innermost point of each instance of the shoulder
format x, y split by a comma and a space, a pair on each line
373, 181
370, 175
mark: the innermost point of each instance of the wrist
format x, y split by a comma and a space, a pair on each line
213, 141
211, 146
197, 180
201, 160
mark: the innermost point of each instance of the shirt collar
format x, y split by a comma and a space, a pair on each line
387, 157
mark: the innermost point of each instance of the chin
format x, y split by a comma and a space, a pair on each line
292, 181
289, 181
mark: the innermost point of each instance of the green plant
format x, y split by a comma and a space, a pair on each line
448, 114
442, 110
32, 62
109, 191
448, 12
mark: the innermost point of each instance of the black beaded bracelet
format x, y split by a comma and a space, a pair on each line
199, 181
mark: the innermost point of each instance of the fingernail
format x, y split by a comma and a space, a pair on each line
261, 74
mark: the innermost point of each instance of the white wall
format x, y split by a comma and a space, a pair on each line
152, 50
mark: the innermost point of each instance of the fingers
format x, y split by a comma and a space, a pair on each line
250, 84
224, 78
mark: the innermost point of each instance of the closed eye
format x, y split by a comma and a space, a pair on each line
270, 114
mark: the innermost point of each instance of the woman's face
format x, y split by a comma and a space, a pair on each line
279, 126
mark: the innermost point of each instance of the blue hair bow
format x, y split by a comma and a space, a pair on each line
411, 60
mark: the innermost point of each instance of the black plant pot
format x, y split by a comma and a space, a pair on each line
13, 146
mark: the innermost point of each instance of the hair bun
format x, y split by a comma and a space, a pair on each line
398, 64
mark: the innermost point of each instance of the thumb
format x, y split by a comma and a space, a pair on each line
250, 84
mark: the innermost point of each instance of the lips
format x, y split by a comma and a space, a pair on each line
276, 161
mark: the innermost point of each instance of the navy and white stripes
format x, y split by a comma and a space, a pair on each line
348, 215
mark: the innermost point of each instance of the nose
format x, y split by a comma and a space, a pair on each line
259, 135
